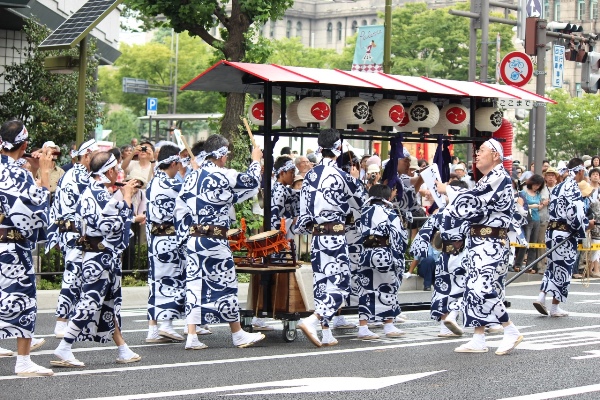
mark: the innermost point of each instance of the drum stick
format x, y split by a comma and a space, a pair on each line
187, 147
249, 132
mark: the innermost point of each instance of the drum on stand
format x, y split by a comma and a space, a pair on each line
266, 243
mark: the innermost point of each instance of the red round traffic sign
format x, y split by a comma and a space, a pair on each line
516, 68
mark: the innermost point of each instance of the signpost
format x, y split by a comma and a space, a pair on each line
558, 61
516, 69
151, 106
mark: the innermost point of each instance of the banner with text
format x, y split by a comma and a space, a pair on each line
368, 55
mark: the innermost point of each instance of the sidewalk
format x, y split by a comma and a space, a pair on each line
137, 296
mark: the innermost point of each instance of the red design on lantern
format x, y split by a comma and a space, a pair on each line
396, 114
320, 110
405, 120
258, 111
456, 115
506, 132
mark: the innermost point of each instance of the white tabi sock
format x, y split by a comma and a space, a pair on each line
125, 352
152, 331
542, 297
452, 315
389, 327
553, 308
63, 351
479, 339
311, 320
363, 330
327, 336
60, 327
23, 360
166, 326
238, 335
511, 330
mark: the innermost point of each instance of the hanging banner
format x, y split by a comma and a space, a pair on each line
558, 62
368, 55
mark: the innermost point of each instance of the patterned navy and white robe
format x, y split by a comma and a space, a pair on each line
283, 201
450, 269
328, 194
99, 306
166, 273
68, 191
408, 203
25, 208
207, 197
355, 248
566, 205
378, 273
491, 203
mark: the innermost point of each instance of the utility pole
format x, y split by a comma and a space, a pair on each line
540, 88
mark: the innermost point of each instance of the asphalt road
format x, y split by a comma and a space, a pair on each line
558, 354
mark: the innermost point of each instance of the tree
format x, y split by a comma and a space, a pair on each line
45, 102
572, 126
240, 20
434, 43
124, 126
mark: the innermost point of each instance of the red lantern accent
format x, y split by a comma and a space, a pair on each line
397, 114
320, 110
506, 132
405, 120
456, 115
258, 111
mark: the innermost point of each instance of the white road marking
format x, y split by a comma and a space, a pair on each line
302, 385
557, 393
593, 354
557, 341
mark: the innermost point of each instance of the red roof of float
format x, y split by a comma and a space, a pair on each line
237, 77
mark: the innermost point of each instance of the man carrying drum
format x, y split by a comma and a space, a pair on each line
328, 195
203, 214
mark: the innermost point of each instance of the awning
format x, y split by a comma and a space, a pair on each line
227, 76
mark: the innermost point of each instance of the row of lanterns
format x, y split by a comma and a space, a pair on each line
384, 114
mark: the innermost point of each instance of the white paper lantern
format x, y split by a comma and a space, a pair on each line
313, 110
256, 112
292, 114
488, 119
351, 111
369, 124
424, 114
406, 125
388, 112
452, 117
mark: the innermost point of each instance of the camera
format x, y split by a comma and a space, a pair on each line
144, 148
372, 176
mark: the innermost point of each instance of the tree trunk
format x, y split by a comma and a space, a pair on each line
234, 49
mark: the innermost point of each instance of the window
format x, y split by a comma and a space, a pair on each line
580, 9
272, 29
373, 22
546, 10
329, 32
339, 31
593, 9
288, 29
578, 91
354, 27
556, 10
364, 22
299, 29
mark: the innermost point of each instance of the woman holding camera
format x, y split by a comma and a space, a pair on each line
140, 161
534, 201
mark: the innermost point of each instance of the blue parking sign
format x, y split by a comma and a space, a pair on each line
151, 105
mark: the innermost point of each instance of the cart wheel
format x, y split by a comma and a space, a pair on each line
289, 335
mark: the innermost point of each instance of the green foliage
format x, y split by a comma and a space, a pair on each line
45, 284
124, 125
243, 278
433, 43
46, 102
133, 280
572, 126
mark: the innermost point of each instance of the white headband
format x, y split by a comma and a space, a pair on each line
405, 152
110, 163
21, 137
335, 149
168, 160
86, 147
221, 152
574, 171
494, 145
201, 157
289, 165
387, 202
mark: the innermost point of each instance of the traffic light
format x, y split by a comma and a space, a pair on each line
590, 73
564, 27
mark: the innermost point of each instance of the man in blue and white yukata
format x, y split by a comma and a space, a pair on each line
203, 214
489, 207
104, 223
451, 267
327, 196
166, 274
23, 217
62, 231
567, 220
